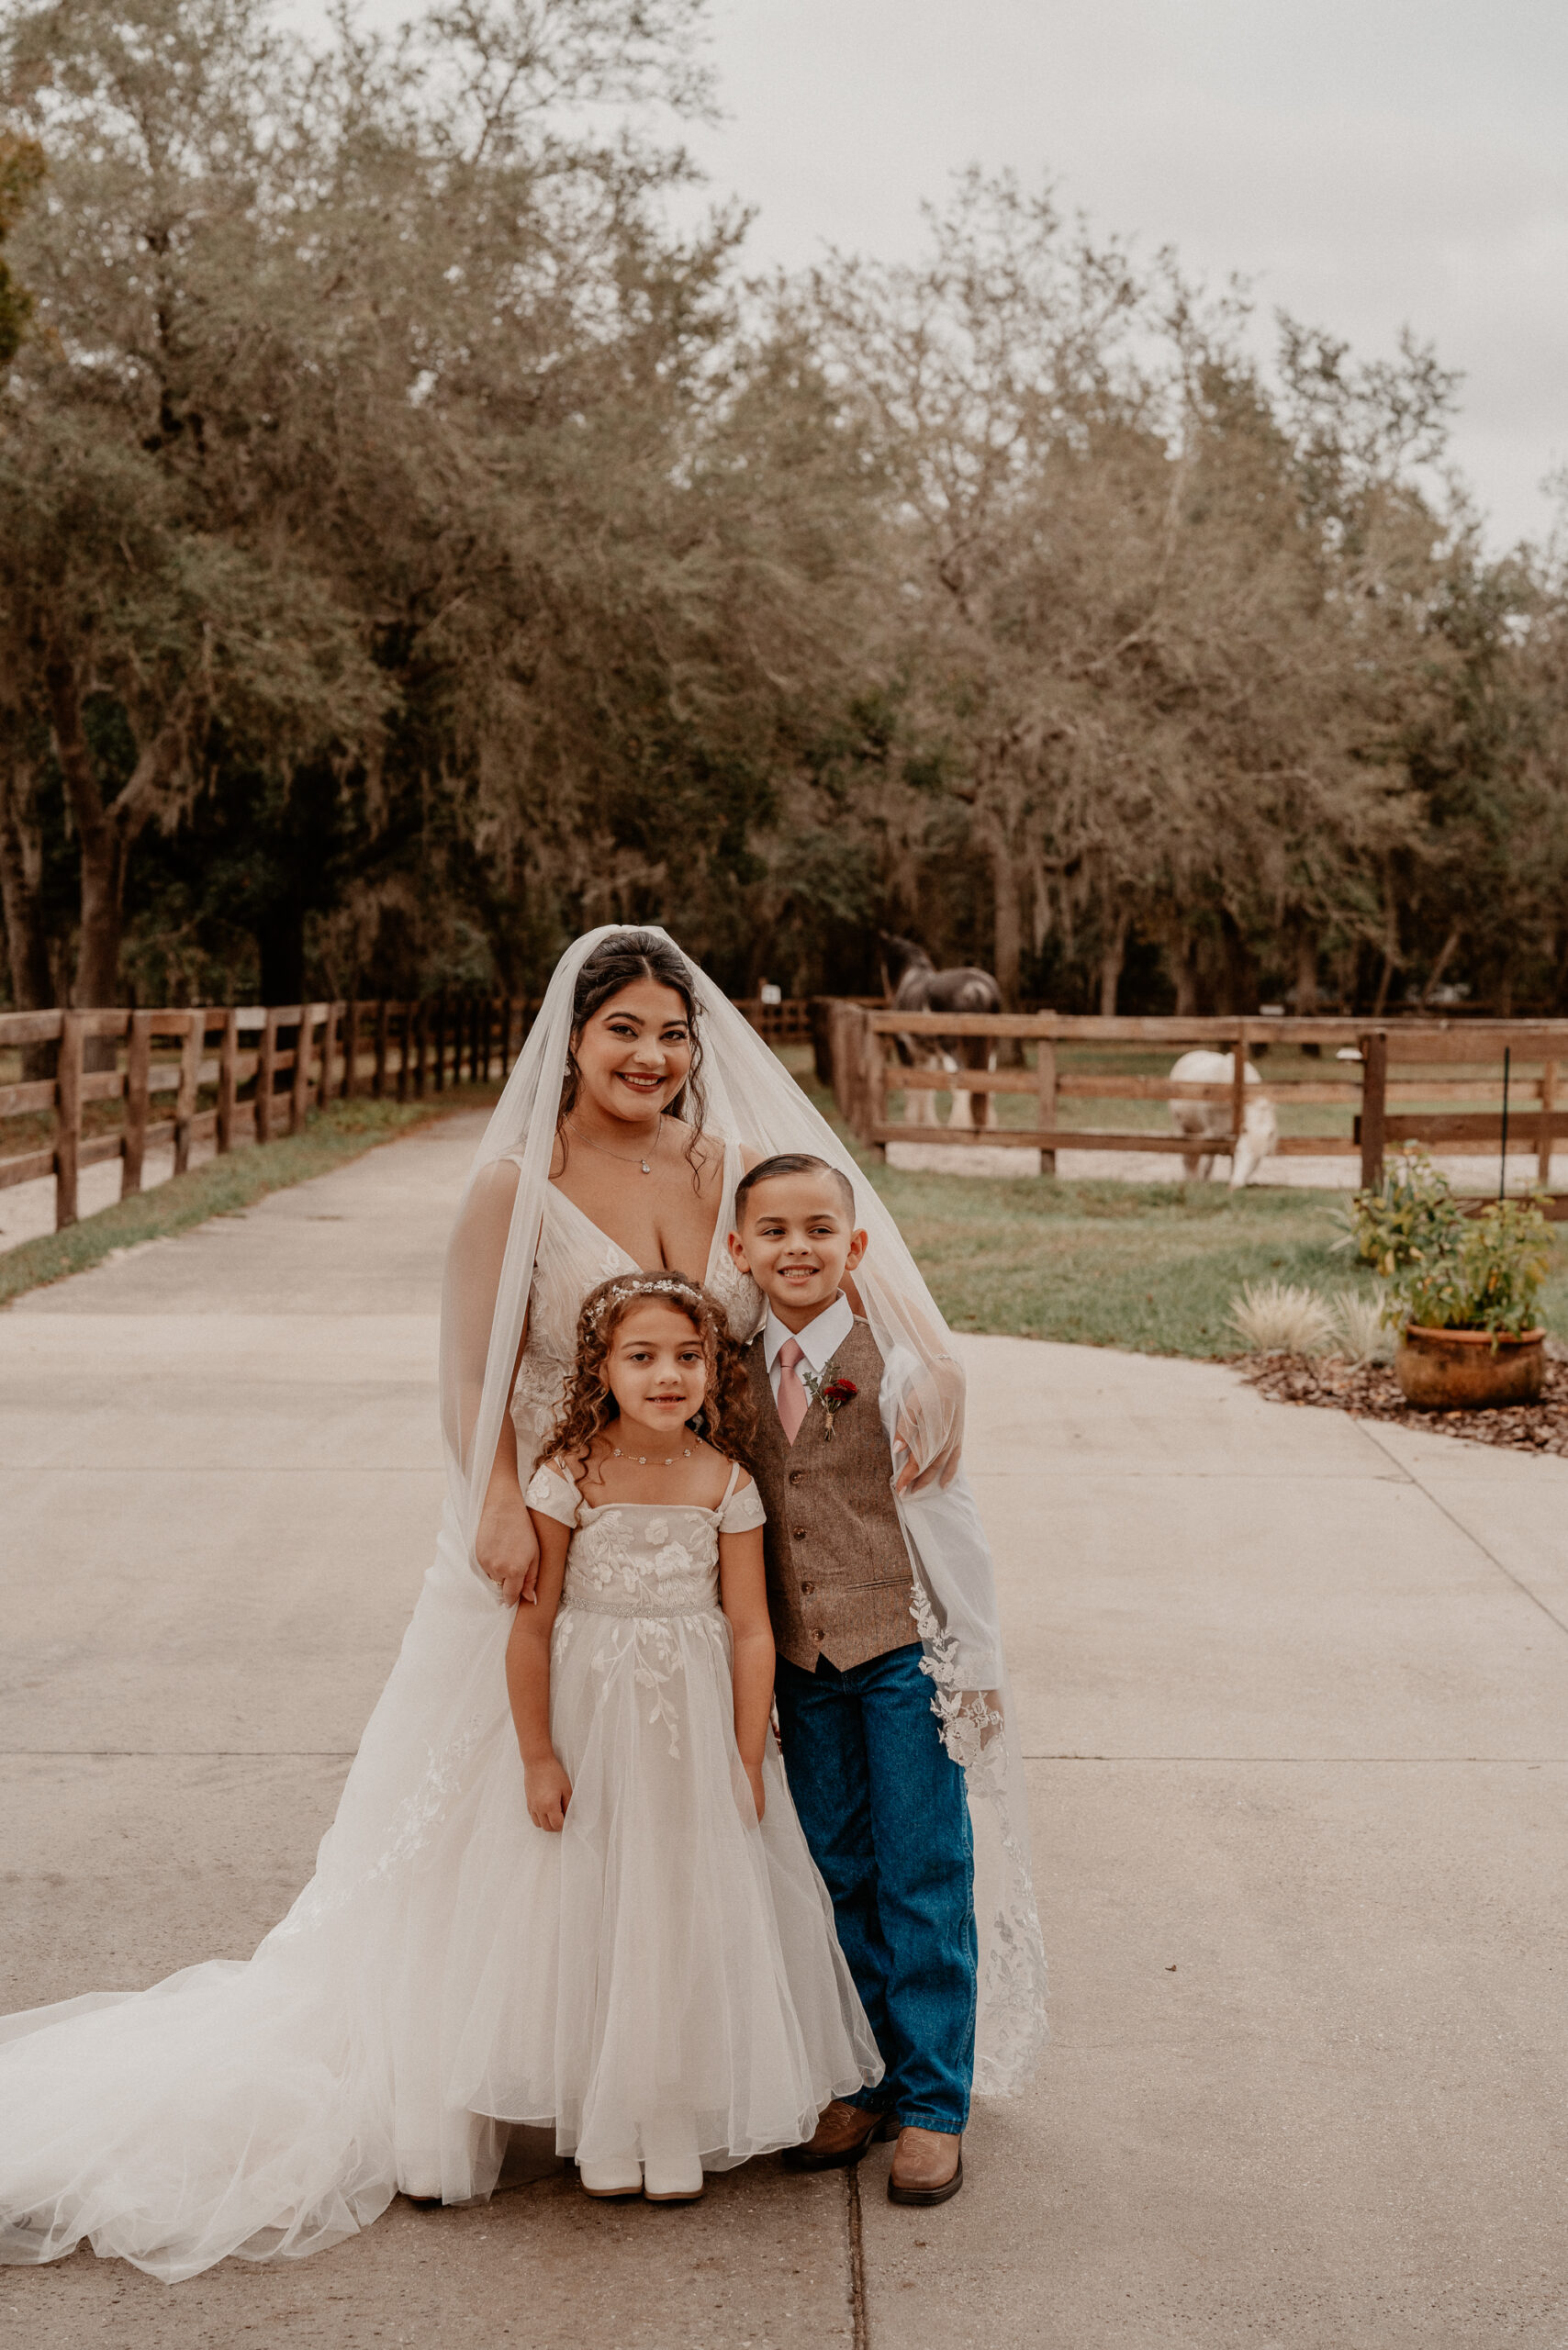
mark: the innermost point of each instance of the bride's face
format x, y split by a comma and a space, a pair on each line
635, 1053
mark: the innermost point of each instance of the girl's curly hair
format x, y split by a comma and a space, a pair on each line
588, 1408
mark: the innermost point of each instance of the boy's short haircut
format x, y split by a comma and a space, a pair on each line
791, 1163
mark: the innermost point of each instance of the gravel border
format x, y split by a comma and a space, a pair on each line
1371, 1392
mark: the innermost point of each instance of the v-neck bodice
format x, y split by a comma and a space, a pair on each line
574, 1256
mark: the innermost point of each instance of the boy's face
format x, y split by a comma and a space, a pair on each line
797, 1241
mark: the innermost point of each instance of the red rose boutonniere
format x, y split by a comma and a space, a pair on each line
827, 1388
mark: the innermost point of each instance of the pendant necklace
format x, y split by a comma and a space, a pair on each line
641, 1458
603, 1153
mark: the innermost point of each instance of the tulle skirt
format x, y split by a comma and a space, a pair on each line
663, 1976
450, 1969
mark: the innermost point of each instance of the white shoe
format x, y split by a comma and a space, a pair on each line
623, 2177
673, 2178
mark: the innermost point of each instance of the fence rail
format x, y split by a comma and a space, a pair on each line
266, 1066
1506, 1108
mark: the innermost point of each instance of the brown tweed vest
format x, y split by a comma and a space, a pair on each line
839, 1579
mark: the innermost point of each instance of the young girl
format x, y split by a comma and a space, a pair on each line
659, 1974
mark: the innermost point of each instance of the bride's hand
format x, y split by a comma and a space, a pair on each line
548, 1792
758, 1792
507, 1548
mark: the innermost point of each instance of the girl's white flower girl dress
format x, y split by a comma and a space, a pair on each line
661, 1978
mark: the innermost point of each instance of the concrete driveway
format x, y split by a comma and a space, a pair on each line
1294, 1695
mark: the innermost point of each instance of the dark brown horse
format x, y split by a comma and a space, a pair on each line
914, 984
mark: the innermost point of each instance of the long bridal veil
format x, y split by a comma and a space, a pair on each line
271, 2106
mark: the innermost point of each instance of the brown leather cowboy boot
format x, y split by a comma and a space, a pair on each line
928, 2165
842, 2135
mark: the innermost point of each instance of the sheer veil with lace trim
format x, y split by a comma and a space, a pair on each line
753, 1101
271, 2106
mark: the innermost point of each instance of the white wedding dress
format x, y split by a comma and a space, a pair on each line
273, 2106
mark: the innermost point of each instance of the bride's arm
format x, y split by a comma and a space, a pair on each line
506, 1546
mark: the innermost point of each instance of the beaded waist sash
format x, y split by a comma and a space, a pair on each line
607, 1604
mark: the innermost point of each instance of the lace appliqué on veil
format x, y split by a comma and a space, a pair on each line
1014, 1983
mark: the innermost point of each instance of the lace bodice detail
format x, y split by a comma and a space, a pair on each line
641, 1558
572, 1257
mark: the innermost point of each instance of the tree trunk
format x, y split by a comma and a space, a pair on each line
1112, 958
22, 882
1009, 943
1305, 991
1182, 962
105, 835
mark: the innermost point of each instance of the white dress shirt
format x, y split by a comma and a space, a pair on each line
818, 1341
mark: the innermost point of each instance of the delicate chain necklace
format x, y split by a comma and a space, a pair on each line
641, 1458
588, 1144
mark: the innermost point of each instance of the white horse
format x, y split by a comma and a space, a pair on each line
1209, 1122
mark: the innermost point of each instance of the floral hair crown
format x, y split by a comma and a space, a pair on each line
616, 1292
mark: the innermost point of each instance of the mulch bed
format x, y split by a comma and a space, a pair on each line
1371, 1392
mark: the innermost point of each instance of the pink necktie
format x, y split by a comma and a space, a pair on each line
792, 1394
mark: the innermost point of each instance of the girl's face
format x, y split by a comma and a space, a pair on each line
635, 1053
656, 1369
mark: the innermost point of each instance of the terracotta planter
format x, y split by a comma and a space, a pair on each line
1467, 1370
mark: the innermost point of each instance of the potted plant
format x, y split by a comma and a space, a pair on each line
1462, 1288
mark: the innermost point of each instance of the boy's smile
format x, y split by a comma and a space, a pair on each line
797, 1241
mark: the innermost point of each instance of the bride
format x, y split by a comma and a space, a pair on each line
273, 2106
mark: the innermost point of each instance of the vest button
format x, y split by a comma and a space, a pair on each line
799, 1533
807, 1589
794, 1476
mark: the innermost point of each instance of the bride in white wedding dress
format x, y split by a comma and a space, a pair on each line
273, 2106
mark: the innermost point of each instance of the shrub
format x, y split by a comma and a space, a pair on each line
1361, 1327
1281, 1319
1444, 1270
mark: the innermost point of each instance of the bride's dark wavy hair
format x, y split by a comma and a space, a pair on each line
620, 962
728, 1414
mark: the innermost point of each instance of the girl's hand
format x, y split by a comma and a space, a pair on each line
758, 1792
549, 1791
507, 1548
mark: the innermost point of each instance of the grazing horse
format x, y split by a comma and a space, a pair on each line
914, 984
1208, 1123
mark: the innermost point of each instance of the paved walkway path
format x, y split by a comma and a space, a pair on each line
1296, 1696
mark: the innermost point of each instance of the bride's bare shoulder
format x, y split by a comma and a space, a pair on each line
704, 1153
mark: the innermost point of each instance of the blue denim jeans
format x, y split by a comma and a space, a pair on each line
887, 1817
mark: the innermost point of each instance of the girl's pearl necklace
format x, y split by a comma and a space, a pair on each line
641, 1458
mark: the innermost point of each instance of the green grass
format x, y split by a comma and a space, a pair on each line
1149, 1267
330, 1138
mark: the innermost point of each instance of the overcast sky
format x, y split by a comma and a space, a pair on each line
1367, 164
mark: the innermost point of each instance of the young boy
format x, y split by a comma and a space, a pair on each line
883, 1805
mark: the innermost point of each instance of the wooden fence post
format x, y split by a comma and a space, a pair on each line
506, 1038
874, 1067
440, 1044
228, 1079
138, 1076
304, 1037
383, 1021
349, 1085
191, 1044
1543, 1147
1046, 1095
1374, 1099
67, 1120
421, 1045
266, 1075
1237, 1092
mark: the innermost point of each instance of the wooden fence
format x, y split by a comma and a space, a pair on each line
265, 1065
1392, 1099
